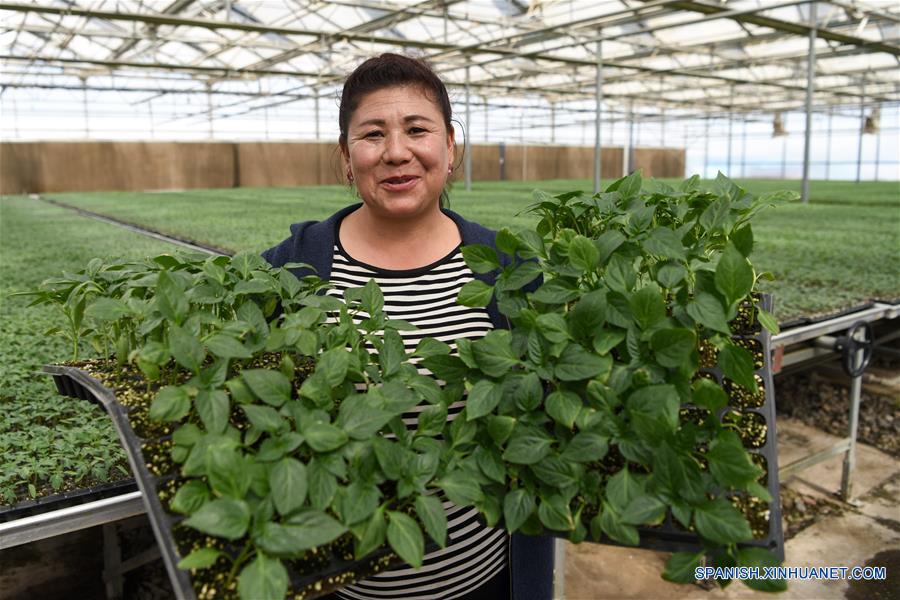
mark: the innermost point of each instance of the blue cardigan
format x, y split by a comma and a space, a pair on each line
312, 242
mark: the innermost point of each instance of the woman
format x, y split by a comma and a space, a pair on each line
397, 146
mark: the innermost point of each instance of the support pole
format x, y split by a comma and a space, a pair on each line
850, 456
784, 157
706, 148
877, 151
209, 111
486, 128
84, 108
744, 148
629, 163
553, 122
597, 118
862, 122
810, 90
152, 121
828, 145
730, 127
468, 141
316, 110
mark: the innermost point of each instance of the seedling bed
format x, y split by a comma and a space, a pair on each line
311, 577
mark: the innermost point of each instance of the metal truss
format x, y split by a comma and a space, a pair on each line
689, 57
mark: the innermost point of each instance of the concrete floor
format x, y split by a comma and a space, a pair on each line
594, 572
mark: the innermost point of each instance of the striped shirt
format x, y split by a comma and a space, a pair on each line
476, 556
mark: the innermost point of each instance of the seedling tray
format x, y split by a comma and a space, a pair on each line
670, 536
329, 576
45, 504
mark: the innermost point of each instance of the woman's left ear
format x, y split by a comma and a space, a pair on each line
451, 145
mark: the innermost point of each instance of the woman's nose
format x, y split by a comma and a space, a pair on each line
396, 149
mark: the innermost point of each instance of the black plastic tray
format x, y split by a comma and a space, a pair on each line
45, 504
76, 383
670, 536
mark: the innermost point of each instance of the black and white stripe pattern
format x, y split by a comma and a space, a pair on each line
426, 297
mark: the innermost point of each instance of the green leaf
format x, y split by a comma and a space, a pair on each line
494, 353
304, 530
526, 448
607, 243
333, 365
646, 509
264, 418
371, 535
606, 340
586, 446
623, 488
656, 402
555, 514
360, 500
500, 427
431, 512
681, 566
323, 437
673, 347
214, 408
718, 521
518, 505
767, 320
709, 312
460, 488
185, 349
406, 538
264, 577
189, 497
170, 299
737, 364
429, 346
200, 559
432, 420
553, 327
760, 558
270, 386
475, 293
734, 275
663, 241
709, 395
228, 472
107, 309
742, 237
519, 276
371, 299
716, 215
612, 525
506, 241
729, 463
360, 416
392, 353
670, 275
224, 517
225, 346
480, 258
288, 482
484, 396
647, 306
170, 404
583, 254
575, 364
448, 368
322, 484
563, 407
556, 291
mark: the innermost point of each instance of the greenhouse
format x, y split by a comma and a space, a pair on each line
579, 299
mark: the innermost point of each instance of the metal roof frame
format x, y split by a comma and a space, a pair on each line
694, 57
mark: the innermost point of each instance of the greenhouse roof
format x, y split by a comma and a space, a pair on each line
686, 56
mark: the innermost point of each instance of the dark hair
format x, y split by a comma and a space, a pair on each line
389, 70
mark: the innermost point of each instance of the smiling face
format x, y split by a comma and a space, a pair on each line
399, 152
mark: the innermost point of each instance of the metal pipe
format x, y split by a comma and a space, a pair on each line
209, 106
553, 122
828, 145
744, 148
706, 148
486, 128
597, 118
810, 89
783, 157
850, 457
862, 121
84, 107
468, 140
730, 126
629, 164
316, 109
877, 150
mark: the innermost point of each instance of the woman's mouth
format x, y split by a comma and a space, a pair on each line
399, 183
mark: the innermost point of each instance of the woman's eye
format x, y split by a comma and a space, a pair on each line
416, 130
373, 134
